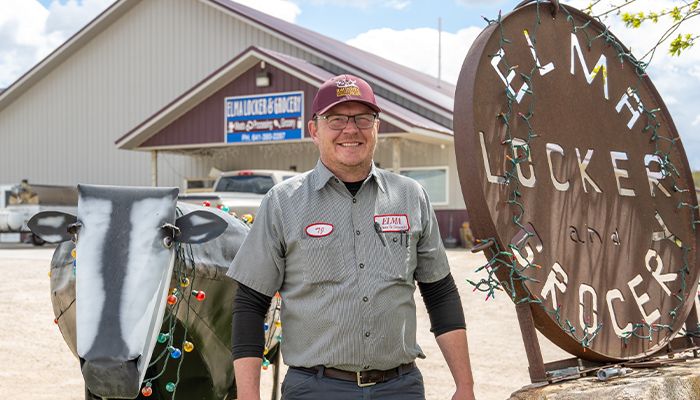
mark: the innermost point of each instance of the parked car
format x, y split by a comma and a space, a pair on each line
239, 191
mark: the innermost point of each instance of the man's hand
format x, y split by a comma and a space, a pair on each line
464, 394
247, 371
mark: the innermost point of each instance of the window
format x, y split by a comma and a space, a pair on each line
245, 184
433, 180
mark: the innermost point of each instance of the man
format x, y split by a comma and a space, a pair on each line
344, 244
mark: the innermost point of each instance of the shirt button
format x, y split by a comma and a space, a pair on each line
362, 265
365, 299
357, 232
354, 200
337, 181
395, 240
366, 334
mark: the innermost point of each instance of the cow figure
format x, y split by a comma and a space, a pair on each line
140, 293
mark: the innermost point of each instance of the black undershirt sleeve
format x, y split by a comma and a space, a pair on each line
444, 306
247, 333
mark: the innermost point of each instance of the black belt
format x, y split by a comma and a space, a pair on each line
362, 378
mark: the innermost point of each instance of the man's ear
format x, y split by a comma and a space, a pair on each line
312, 126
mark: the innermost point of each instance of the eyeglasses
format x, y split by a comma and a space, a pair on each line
339, 121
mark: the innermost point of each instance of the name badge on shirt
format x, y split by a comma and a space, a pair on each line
319, 229
393, 222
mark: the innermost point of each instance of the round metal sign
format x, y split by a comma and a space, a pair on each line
574, 175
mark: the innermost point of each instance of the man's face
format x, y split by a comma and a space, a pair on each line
348, 150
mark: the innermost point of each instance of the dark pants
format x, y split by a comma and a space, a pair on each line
302, 385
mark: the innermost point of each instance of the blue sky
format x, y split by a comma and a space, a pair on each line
418, 14
404, 31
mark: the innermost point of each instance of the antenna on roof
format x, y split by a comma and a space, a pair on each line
439, 75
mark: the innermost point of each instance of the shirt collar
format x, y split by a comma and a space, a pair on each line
322, 175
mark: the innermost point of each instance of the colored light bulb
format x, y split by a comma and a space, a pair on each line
225, 209
278, 323
266, 326
73, 253
172, 299
219, 206
55, 321
147, 391
265, 351
162, 337
75, 263
170, 387
199, 295
279, 338
173, 291
206, 203
175, 352
184, 282
49, 273
188, 346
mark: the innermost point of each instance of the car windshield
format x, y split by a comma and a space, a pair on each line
245, 183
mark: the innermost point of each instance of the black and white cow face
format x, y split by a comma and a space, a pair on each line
125, 255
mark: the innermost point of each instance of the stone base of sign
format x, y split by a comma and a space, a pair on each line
677, 381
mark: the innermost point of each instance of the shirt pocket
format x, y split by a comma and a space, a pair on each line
324, 260
399, 258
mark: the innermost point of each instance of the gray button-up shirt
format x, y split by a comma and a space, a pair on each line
345, 267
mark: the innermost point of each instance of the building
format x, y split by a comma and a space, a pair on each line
139, 96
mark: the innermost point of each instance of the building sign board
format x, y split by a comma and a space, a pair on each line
264, 117
573, 171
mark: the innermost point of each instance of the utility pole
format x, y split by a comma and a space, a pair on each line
439, 75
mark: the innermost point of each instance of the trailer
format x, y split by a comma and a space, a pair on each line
18, 203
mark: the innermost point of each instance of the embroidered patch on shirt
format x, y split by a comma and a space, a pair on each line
393, 222
319, 229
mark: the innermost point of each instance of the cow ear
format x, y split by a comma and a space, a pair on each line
199, 227
52, 226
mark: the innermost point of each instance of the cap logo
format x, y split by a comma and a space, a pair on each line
347, 87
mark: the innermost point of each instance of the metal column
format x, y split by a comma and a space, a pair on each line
154, 168
395, 154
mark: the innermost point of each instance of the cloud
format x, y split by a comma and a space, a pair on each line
364, 4
283, 9
29, 32
397, 4
21, 27
418, 48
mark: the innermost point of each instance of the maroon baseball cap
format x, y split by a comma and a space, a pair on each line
340, 89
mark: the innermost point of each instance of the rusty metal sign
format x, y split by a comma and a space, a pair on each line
573, 173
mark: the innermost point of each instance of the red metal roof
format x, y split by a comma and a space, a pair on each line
144, 131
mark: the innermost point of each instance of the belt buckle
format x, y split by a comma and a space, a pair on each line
359, 380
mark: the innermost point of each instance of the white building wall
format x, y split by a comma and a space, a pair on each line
62, 129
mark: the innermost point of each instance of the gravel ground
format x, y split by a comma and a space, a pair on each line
40, 365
